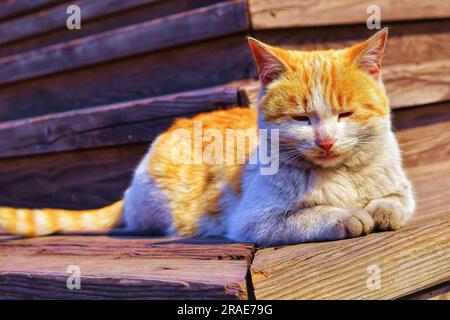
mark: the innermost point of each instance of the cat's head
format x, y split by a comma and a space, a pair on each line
329, 106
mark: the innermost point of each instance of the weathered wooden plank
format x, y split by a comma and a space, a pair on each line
154, 10
407, 85
427, 139
409, 260
411, 85
10, 8
409, 42
72, 180
124, 267
129, 122
164, 72
126, 246
55, 17
297, 13
203, 23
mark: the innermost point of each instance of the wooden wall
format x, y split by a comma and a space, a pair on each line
79, 108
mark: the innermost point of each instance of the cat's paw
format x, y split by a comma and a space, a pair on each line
348, 223
386, 215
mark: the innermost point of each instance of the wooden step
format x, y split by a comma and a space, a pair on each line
411, 259
294, 13
216, 62
124, 123
178, 29
55, 17
48, 27
123, 268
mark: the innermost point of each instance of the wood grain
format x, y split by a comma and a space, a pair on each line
11, 8
409, 260
122, 268
126, 246
55, 17
216, 62
200, 24
408, 42
71, 180
295, 13
410, 85
126, 123
132, 15
407, 85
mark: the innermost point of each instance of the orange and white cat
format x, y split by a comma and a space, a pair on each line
338, 173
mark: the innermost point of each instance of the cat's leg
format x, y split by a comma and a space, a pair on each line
319, 223
146, 209
393, 211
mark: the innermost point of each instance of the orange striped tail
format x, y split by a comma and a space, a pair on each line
40, 222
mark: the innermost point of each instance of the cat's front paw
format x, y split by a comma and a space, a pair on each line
386, 215
348, 223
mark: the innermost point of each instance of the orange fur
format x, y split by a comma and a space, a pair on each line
194, 189
39, 222
346, 86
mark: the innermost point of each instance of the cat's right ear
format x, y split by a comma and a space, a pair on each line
269, 66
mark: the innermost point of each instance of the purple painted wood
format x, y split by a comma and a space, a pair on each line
124, 123
204, 23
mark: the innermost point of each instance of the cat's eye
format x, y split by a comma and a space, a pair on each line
302, 118
345, 115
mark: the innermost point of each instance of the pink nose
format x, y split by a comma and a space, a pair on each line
325, 145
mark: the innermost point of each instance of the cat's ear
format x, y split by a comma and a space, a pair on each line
270, 67
368, 54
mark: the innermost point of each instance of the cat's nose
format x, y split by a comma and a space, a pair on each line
325, 144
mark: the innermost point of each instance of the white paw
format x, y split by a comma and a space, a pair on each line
348, 223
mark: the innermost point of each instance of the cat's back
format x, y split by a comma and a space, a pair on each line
194, 159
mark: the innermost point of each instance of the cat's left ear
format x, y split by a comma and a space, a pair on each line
368, 54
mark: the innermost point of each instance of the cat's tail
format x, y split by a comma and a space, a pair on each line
40, 222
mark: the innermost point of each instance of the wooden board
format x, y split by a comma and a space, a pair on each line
411, 85
407, 85
124, 268
200, 24
408, 42
97, 24
129, 122
55, 17
71, 180
295, 13
216, 62
409, 260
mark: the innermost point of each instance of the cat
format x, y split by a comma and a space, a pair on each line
339, 175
